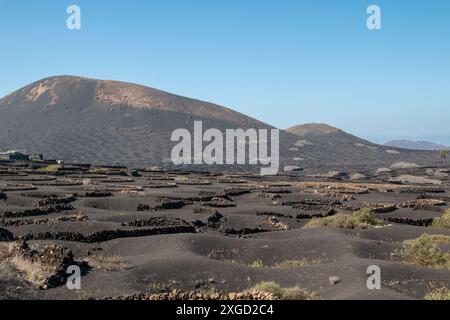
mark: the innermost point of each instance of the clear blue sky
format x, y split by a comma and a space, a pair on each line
283, 62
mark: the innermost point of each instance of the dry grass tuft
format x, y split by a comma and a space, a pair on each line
35, 272
107, 263
295, 264
442, 293
6, 250
293, 293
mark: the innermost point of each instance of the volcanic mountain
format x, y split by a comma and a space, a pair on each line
108, 122
105, 122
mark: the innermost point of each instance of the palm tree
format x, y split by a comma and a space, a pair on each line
443, 154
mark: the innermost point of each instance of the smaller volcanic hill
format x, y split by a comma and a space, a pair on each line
415, 145
325, 145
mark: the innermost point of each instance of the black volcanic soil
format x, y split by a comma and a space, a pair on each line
168, 235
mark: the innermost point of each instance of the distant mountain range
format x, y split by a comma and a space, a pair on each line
415, 145
109, 122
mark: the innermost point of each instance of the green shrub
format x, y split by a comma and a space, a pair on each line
268, 286
296, 293
366, 216
293, 293
50, 168
425, 251
361, 219
98, 170
443, 221
257, 264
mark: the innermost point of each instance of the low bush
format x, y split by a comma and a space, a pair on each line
425, 251
443, 221
442, 293
293, 293
361, 219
